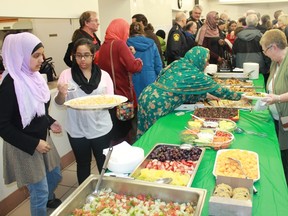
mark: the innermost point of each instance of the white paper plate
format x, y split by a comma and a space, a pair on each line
96, 102
225, 150
255, 97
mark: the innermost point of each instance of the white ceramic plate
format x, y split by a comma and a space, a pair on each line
243, 166
257, 96
96, 102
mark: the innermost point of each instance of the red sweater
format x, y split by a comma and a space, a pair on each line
124, 63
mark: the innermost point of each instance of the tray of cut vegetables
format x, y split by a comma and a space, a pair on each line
216, 139
212, 123
120, 196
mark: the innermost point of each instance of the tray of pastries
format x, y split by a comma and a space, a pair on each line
241, 104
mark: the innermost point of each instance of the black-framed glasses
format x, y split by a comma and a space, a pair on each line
269, 47
85, 56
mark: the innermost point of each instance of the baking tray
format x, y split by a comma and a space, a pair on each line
145, 161
218, 112
241, 104
132, 187
226, 150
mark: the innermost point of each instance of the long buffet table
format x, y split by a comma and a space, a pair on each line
272, 196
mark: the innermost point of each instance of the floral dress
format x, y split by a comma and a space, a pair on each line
183, 81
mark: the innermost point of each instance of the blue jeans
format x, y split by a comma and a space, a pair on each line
43, 191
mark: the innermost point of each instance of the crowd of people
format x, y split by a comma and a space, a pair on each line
130, 62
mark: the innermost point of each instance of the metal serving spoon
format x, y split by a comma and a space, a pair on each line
187, 146
94, 194
241, 168
198, 118
239, 130
163, 180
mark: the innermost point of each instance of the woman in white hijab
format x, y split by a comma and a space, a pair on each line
28, 158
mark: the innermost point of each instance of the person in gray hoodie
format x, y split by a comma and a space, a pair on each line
247, 48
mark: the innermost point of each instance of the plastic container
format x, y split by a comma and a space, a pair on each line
125, 161
223, 144
252, 69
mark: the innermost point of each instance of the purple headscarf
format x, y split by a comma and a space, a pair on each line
31, 89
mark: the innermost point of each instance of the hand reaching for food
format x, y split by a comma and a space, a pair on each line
212, 97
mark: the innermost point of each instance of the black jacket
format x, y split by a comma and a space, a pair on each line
11, 129
80, 34
177, 44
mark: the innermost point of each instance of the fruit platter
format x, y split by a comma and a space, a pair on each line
170, 161
216, 139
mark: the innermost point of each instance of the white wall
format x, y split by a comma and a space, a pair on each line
46, 9
55, 35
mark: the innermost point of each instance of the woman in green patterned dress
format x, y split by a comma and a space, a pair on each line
183, 81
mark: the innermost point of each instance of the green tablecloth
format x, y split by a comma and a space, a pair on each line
272, 196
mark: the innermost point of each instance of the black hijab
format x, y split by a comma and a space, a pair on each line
80, 79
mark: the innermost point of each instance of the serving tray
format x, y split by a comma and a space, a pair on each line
95, 102
136, 173
223, 152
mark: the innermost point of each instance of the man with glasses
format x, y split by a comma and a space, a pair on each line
195, 15
89, 24
247, 48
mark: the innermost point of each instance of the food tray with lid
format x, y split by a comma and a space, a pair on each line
148, 160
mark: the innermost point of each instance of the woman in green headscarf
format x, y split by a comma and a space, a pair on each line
183, 81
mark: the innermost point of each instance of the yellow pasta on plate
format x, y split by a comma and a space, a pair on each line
96, 102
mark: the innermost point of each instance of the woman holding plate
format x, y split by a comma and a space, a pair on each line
88, 130
274, 45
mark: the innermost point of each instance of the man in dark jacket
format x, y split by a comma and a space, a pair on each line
88, 26
195, 15
247, 47
177, 44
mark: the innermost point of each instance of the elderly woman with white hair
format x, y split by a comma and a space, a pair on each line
247, 48
283, 24
274, 46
